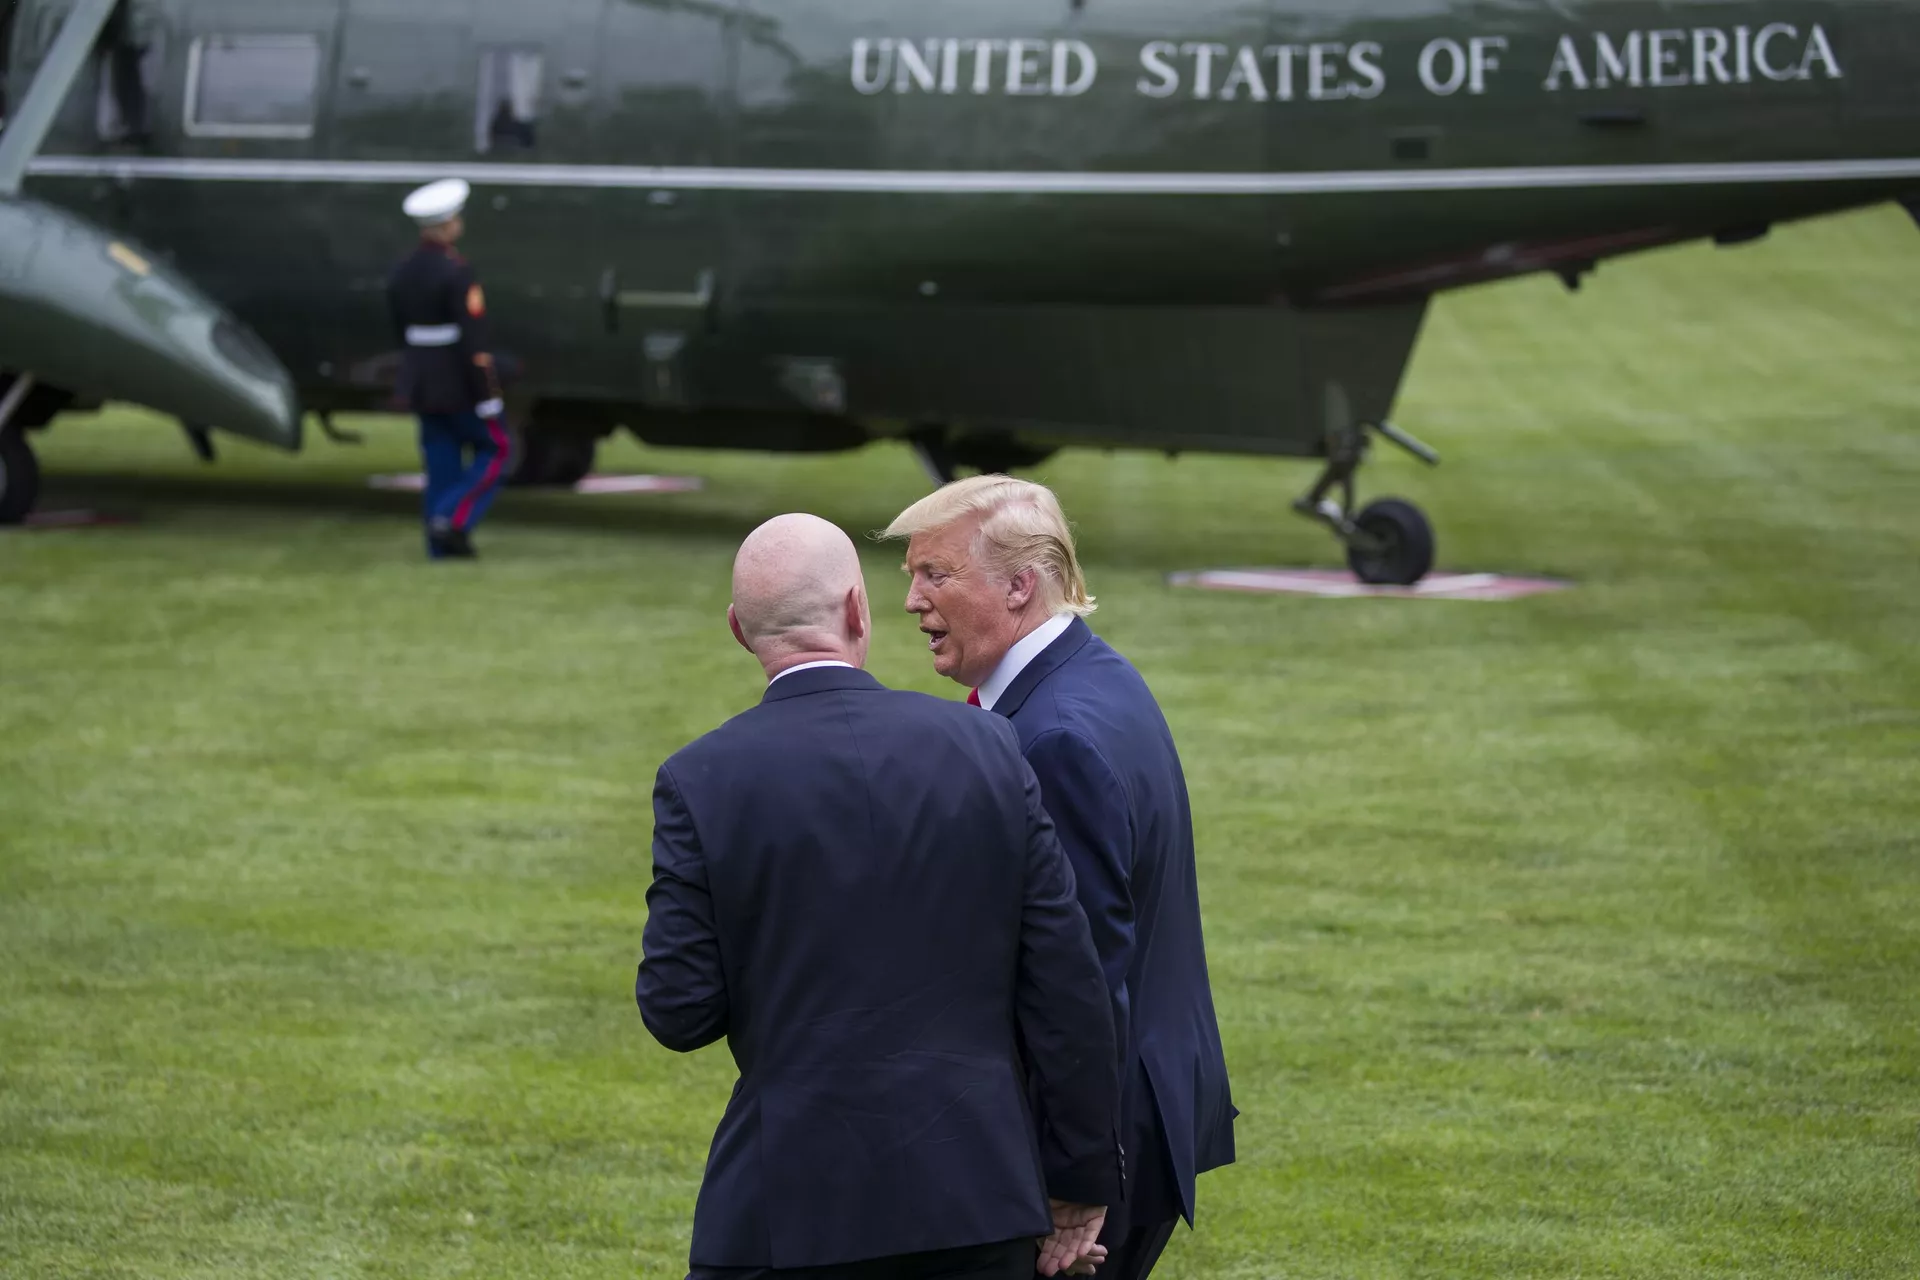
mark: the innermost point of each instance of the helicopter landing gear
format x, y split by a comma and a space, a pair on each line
943, 455
19, 469
1389, 542
1401, 549
553, 457
19, 478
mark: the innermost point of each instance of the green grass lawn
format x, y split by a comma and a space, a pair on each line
1574, 936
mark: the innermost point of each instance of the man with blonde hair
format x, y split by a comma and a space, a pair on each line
1000, 594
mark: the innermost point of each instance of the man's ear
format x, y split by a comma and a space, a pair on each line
1020, 589
733, 625
856, 612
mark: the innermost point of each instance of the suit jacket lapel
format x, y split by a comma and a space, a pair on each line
1050, 659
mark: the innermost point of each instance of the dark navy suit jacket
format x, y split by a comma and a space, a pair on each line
1112, 782
860, 890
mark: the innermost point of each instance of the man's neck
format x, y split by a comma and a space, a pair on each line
1012, 662
788, 661
1030, 621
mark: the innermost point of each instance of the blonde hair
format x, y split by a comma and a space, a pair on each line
1021, 528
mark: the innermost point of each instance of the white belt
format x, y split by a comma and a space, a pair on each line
432, 335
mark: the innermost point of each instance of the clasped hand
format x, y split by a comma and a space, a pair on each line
1072, 1249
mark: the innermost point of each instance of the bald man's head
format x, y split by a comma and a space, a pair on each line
798, 594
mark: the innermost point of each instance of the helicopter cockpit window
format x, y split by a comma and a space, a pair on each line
252, 86
508, 107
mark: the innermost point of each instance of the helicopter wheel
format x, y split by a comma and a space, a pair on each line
570, 460
19, 477
1403, 550
988, 454
557, 458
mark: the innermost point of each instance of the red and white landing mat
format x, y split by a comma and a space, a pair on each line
638, 484
414, 482
75, 519
1339, 584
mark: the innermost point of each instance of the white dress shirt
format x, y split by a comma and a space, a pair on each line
1025, 650
808, 666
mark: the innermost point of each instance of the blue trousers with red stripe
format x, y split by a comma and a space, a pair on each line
466, 458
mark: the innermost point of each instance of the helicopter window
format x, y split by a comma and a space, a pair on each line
508, 107
255, 86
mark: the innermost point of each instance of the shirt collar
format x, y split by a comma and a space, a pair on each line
1025, 650
808, 666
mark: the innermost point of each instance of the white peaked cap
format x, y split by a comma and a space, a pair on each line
437, 202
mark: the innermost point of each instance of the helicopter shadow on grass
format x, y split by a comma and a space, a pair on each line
161, 501
714, 515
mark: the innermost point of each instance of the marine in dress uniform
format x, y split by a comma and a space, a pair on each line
447, 375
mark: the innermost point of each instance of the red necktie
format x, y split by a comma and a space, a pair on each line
973, 697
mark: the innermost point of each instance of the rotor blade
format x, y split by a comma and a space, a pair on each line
28, 127
83, 310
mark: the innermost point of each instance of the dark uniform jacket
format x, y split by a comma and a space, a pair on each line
439, 316
1112, 783
859, 889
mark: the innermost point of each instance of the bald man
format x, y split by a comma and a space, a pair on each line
860, 890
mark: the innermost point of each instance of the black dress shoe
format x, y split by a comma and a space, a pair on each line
451, 544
